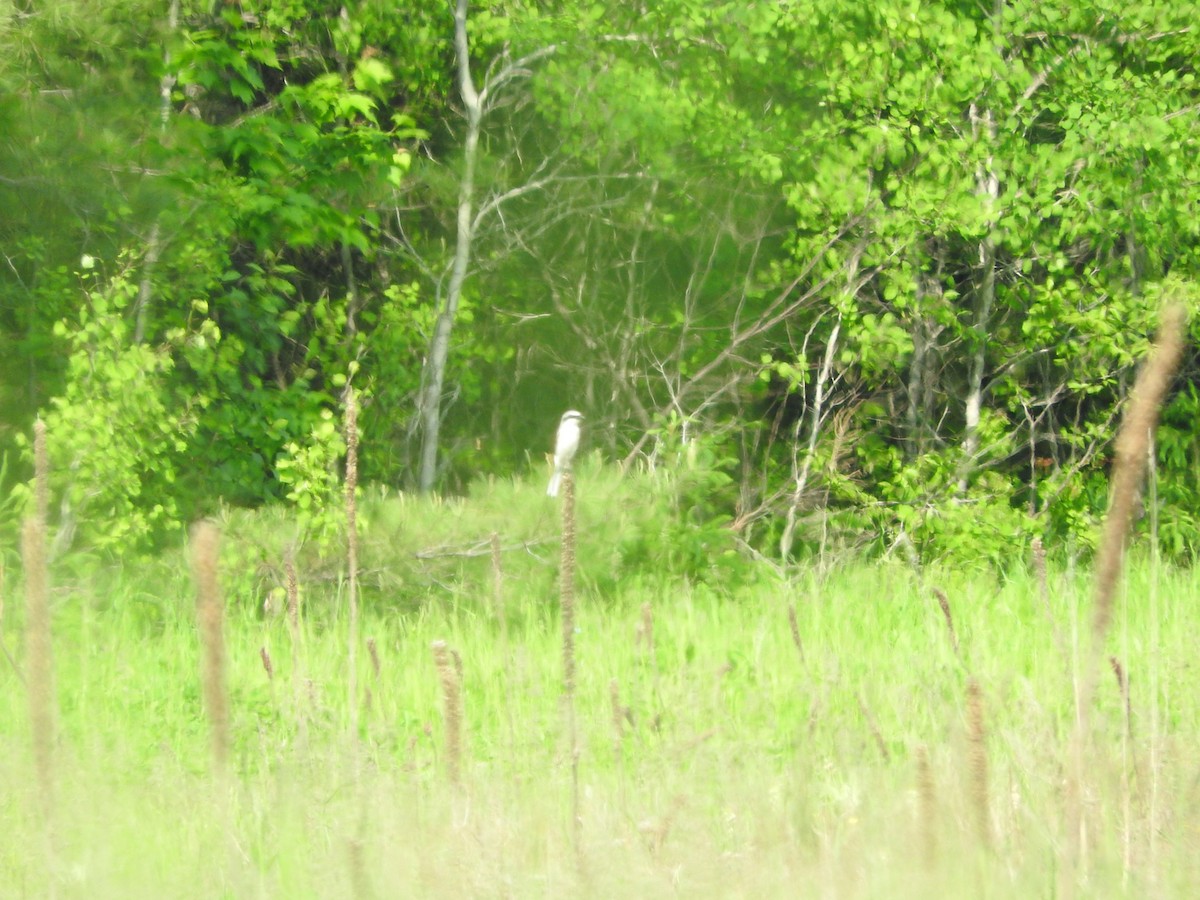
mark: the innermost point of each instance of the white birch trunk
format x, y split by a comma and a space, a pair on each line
988, 186
430, 408
154, 243
814, 432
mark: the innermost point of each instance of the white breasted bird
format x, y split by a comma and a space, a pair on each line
565, 445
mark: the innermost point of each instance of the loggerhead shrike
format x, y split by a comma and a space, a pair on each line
565, 445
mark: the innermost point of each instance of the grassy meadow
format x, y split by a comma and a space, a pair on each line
831, 731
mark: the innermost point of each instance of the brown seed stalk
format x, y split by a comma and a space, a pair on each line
794, 624
1123, 686
566, 584
498, 585
1132, 450
645, 632
210, 613
452, 709
41, 474
567, 604
294, 629
293, 594
1132, 446
927, 807
373, 653
618, 716
944, 603
351, 428
977, 762
39, 661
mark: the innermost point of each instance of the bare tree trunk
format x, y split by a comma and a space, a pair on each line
475, 102
352, 297
154, 244
435, 365
988, 185
818, 418
919, 389
145, 287
352, 301
916, 413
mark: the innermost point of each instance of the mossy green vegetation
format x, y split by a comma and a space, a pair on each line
717, 757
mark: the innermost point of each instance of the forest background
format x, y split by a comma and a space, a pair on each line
865, 277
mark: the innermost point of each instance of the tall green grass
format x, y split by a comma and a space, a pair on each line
742, 767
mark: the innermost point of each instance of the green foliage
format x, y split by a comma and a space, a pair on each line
118, 434
11, 507
311, 479
301, 141
268, 381
992, 201
1176, 486
391, 369
692, 537
32, 357
294, 126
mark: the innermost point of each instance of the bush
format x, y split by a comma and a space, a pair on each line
118, 433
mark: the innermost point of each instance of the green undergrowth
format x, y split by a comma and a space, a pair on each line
750, 759
421, 551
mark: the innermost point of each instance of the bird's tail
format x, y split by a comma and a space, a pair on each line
555, 480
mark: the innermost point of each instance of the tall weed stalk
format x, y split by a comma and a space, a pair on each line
210, 613
452, 709
566, 593
39, 660
1132, 449
352, 555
